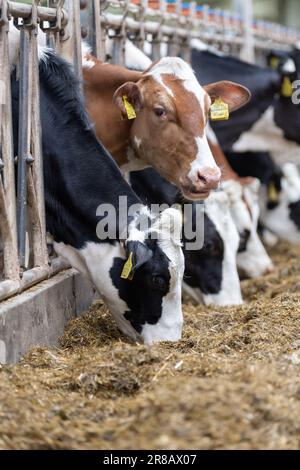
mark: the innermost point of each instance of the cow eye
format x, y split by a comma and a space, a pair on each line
160, 112
159, 283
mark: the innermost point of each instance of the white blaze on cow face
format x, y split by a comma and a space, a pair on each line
218, 210
280, 219
169, 327
203, 167
253, 261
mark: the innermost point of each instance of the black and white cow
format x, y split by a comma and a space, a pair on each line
243, 194
280, 192
210, 272
79, 176
269, 123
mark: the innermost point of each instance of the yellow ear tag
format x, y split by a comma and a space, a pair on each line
127, 269
272, 192
274, 62
219, 110
287, 88
129, 108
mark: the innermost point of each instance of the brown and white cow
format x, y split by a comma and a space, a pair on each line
169, 131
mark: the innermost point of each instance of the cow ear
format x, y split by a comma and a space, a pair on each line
233, 94
139, 253
132, 94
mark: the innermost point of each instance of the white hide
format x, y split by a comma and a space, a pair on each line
255, 261
202, 46
289, 66
169, 326
134, 58
218, 210
278, 220
266, 136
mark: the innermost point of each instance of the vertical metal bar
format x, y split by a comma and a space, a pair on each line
103, 32
53, 33
77, 38
119, 45
248, 49
71, 47
95, 28
174, 44
157, 39
35, 170
8, 224
141, 36
24, 145
186, 46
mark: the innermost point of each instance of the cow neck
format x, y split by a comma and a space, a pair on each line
100, 83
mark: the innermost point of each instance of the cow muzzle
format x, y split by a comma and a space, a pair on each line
202, 183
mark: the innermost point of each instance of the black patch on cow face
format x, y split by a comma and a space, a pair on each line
203, 268
287, 118
286, 112
244, 238
259, 165
294, 208
145, 292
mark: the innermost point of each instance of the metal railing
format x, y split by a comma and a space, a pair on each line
175, 23
24, 258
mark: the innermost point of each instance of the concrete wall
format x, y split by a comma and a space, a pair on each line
39, 315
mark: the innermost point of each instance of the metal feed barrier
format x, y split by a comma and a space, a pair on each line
22, 215
23, 240
175, 23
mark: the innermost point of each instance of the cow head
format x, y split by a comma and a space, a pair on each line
252, 259
281, 204
211, 273
147, 305
169, 131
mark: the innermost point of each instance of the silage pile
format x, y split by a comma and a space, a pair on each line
232, 382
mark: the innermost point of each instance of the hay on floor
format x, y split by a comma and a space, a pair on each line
232, 382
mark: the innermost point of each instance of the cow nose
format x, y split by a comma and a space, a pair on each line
209, 177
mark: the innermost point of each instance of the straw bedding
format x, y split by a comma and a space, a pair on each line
232, 382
